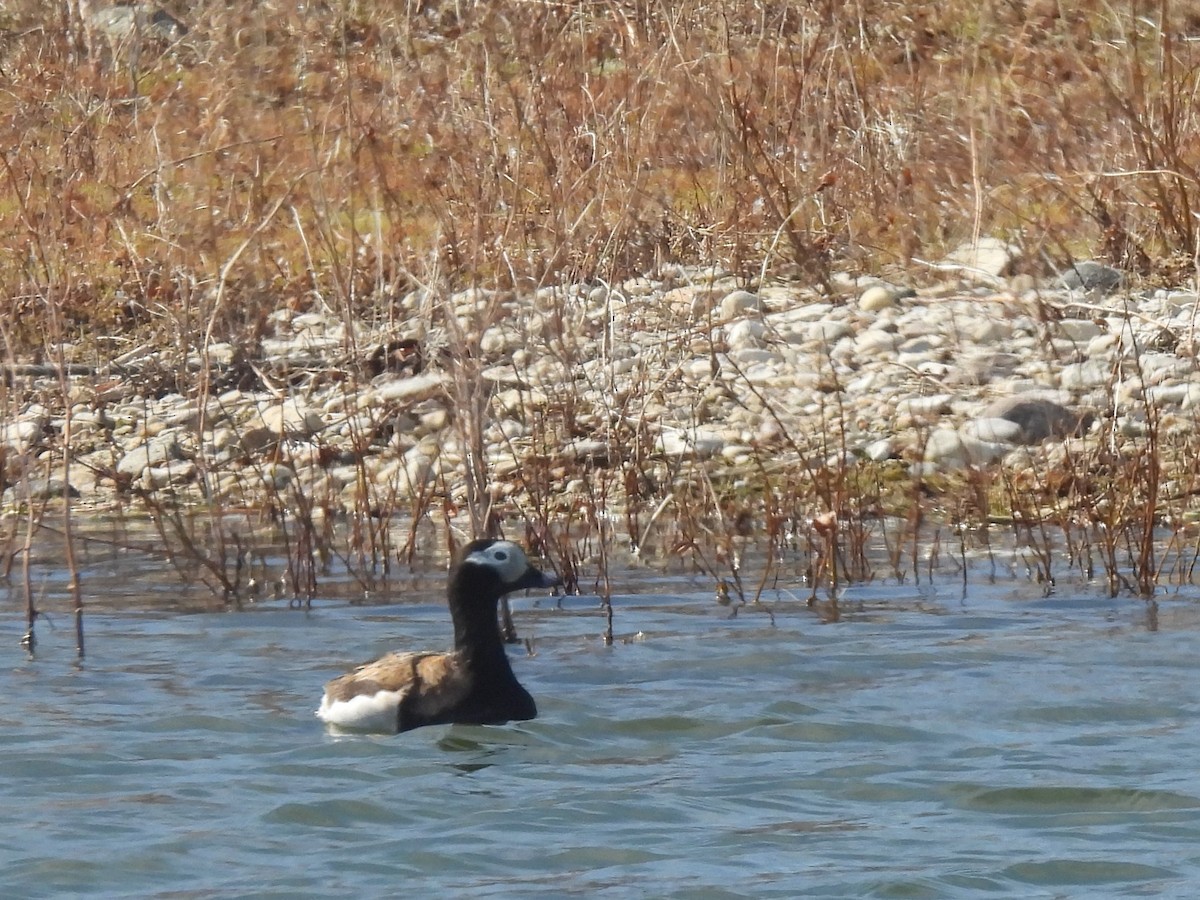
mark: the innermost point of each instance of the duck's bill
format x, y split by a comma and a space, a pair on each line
536, 578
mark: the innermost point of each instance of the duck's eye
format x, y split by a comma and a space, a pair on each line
501, 556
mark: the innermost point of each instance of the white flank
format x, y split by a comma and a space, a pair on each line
366, 712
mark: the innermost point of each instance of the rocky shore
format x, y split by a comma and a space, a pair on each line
973, 370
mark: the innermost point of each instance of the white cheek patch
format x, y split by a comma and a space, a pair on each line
366, 712
505, 557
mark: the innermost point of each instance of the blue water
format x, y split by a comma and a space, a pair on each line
925, 744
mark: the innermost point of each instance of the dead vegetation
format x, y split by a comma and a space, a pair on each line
329, 154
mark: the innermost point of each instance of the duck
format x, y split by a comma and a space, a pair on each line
473, 684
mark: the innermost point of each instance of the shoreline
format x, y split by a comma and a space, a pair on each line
687, 403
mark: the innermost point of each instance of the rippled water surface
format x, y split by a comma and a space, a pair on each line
927, 744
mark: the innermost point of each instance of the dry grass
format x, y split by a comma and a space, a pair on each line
338, 152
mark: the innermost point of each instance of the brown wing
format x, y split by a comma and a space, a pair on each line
441, 684
431, 682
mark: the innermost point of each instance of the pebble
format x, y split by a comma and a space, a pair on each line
20, 435
989, 331
277, 476
949, 449
1169, 394
1037, 418
39, 489
740, 303
158, 477
1091, 276
878, 451
119, 23
984, 260
1083, 375
935, 404
877, 297
994, 429
1080, 330
291, 420
403, 390
709, 368
748, 333
155, 452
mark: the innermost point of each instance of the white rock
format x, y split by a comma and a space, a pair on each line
934, 404
766, 374
20, 435
843, 354
878, 451
496, 340
740, 303
876, 341
277, 476
877, 297
153, 453
917, 361
418, 468
700, 368
1159, 367
1192, 399
747, 357
410, 390
434, 420
504, 431
518, 402
922, 344
867, 383
804, 312
700, 443
987, 259
745, 334
1169, 394
1181, 301
158, 477
232, 400
291, 420
944, 449
1104, 345
1088, 374
587, 449
949, 449
993, 430
1079, 330
988, 331
827, 332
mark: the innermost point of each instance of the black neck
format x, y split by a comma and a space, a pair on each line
476, 627
478, 638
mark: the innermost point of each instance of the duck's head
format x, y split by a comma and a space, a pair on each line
489, 569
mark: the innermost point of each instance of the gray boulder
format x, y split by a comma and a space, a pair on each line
1091, 276
1038, 418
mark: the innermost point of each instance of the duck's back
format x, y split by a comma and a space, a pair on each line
397, 692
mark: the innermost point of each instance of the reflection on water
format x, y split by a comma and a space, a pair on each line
928, 744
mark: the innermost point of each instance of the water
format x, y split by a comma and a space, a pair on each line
925, 745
